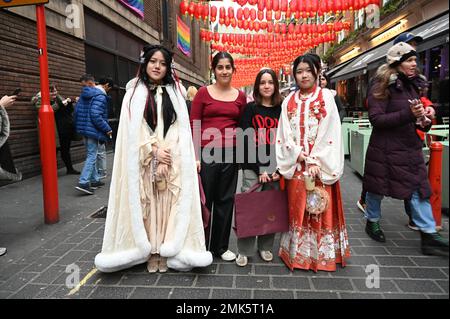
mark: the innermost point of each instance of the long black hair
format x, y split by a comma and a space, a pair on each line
169, 114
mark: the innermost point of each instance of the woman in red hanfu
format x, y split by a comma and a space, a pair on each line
309, 140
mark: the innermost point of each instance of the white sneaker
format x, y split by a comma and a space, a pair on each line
228, 256
241, 260
266, 255
2, 251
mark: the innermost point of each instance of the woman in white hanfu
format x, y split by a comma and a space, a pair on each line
154, 212
309, 140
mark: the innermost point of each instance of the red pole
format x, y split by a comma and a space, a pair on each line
434, 175
47, 127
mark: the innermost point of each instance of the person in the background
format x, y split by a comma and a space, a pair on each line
63, 112
7, 169
86, 80
309, 143
105, 85
91, 121
218, 109
259, 122
394, 165
325, 84
190, 94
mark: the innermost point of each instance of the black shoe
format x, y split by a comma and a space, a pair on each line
96, 185
434, 244
85, 189
73, 172
374, 231
412, 225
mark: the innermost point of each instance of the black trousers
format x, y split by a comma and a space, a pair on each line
64, 144
219, 180
6, 161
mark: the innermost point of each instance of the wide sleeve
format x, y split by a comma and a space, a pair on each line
328, 150
287, 151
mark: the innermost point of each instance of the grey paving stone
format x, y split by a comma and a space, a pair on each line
353, 242
445, 270
331, 284
91, 228
41, 264
47, 292
419, 286
89, 256
76, 239
66, 293
392, 272
17, 281
5, 294
272, 270
350, 271
98, 234
233, 269
407, 242
214, 281
394, 261
273, 294
104, 279
385, 286
358, 295
60, 250
49, 275
404, 251
443, 284
429, 261
316, 295
404, 296
425, 273
296, 283
88, 245
189, 293
10, 270
438, 296
102, 292
150, 293
138, 280
361, 260
369, 251
28, 292
183, 280
372, 243
33, 256
252, 281
211, 269
231, 294
71, 257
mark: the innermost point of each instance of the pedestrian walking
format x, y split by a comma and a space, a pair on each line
190, 94
310, 156
91, 122
259, 122
154, 212
395, 166
215, 115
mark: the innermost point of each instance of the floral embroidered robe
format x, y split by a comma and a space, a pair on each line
312, 125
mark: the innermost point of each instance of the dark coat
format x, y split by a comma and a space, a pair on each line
395, 166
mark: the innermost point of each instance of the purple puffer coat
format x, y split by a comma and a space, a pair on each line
395, 166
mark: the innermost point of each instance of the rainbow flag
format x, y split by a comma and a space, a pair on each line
183, 37
137, 6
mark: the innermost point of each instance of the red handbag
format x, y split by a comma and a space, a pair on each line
260, 213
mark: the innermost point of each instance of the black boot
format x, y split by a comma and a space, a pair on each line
373, 229
434, 244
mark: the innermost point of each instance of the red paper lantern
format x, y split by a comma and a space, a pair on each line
213, 13
269, 15
230, 12
276, 5
277, 15
198, 11
184, 7
269, 5
284, 5
260, 15
252, 14
191, 9
246, 13
261, 5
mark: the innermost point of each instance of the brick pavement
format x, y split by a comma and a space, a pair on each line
38, 270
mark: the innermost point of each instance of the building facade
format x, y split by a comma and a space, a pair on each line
354, 62
101, 37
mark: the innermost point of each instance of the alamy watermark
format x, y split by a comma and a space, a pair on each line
373, 276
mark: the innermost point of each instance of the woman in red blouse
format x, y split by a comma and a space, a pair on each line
215, 115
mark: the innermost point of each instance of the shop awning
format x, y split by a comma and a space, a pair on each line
434, 32
337, 68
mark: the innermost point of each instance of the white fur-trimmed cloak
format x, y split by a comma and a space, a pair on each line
125, 241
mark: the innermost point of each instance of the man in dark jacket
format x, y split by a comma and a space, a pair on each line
91, 121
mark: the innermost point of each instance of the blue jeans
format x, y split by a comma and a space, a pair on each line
421, 212
101, 159
89, 173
